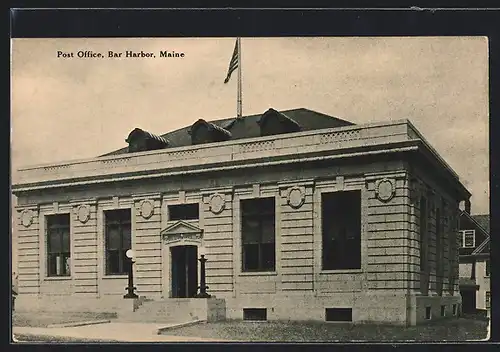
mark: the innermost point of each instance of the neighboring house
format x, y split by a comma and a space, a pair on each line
301, 216
14, 289
475, 262
14, 281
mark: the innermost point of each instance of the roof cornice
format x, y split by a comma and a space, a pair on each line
247, 164
290, 148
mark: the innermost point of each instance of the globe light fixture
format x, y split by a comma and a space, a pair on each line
130, 254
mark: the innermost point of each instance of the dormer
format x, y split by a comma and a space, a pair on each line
139, 141
273, 122
206, 132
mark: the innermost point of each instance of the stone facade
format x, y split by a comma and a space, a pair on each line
390, 164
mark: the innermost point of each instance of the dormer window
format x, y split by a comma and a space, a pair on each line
274, 122
206, 132
139, 140
468, 238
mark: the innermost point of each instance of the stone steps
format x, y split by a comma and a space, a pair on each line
164, 311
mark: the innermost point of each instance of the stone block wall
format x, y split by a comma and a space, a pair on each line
298, 288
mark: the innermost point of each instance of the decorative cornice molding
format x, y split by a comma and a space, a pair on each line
183, 237
212, 190
171, 196
180, 226
34, 207
243, 190
396, 147
308, 182
374, 176
89, 201
137, 197
181, 231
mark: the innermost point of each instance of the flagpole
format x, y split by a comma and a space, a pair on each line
239, 97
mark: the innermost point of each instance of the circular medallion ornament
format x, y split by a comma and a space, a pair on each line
385, 190
27, 218
83, 213
295, 197
147, 209
217, 203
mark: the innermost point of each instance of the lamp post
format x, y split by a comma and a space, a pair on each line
130, 294
203, 285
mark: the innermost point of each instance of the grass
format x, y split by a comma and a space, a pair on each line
446, 330
461, 329
44, 319
55, 339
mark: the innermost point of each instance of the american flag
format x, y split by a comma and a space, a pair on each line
233, 64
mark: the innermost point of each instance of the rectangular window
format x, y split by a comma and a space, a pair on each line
423, 233
118, 239
468, 238
258, 234
58, 245
487, 268
452, 254
443, 311
256, 314
488, 299
341, 230
184, 212
439, 253
428, 312
455, 309
338, 314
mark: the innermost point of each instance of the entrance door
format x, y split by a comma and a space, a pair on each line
184, 271
468, 300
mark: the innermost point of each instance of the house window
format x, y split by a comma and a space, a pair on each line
428, 313
488, 299
455, 309
184, 212
258, 234
468, 238
487, 268
58, 245
341, 230
118, 241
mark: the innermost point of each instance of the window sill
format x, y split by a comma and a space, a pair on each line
111, 277
341, 271
58, 278
259, 273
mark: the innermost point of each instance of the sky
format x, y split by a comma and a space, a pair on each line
77, 108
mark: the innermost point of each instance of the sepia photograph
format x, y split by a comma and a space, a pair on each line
250, 189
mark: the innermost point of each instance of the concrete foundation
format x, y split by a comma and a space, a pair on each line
367, 307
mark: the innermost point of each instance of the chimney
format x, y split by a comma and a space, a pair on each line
467, 206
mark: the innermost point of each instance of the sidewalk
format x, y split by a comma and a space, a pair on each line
123, 332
